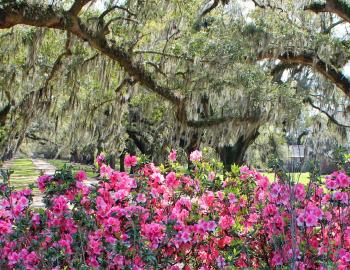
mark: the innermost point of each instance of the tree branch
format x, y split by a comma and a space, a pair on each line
78, 6
119, 18
165, 55
267, 5
104, 13
34, 14
13, 13
330, 117
41, 140
329, 28
312, 60
209, 7
40, 16
220, 120
339, 7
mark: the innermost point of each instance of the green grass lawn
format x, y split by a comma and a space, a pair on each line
303, 178
24, 173
75, 166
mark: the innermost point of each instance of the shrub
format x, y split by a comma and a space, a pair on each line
176, 218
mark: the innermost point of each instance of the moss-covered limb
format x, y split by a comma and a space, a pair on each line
25, 13
312, 60
78, 6
339, 7
316, 7
329, 116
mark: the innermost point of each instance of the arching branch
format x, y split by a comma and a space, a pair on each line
78, 6
14, 13
44, 16
210, 122
339, 7
209, 7
312, 60
329, 28
330, 117
104, 13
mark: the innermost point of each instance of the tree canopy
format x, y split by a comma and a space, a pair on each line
94, 75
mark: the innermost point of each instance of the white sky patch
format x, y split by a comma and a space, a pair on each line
346, 69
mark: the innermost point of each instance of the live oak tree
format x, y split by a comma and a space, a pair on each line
199, 60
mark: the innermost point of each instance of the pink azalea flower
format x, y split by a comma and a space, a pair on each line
341, 196
153, 232
211, 226
342, 180
119, 260
100, 159
299, 190
23, 202
277, 259
225, 222
196, 155
5, 227
220, 195
59, 205
172, 155
232, 198
263, 182
42, 180
130, 161
310, 220
211, 176
184, 236
220, 262
105, 171
81, 176
13, 258
244, 170
141, 198
171, 180
331, 184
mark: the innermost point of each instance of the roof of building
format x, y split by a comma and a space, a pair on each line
296, 151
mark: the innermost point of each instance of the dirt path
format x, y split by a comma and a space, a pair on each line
44, 167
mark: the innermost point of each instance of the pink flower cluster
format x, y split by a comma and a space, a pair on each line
176, 219
130, 161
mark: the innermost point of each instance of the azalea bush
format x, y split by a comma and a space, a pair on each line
174, 217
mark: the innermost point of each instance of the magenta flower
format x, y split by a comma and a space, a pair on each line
211, 176
277, 259
196, 155
310, 220
59, 205
172, 155
141, 198
172, 181
299, 191
42, 180
105, 171
331, 184
100, 159
342, 180
225, 222
81, 176
5, 227
130, 161
13, 258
